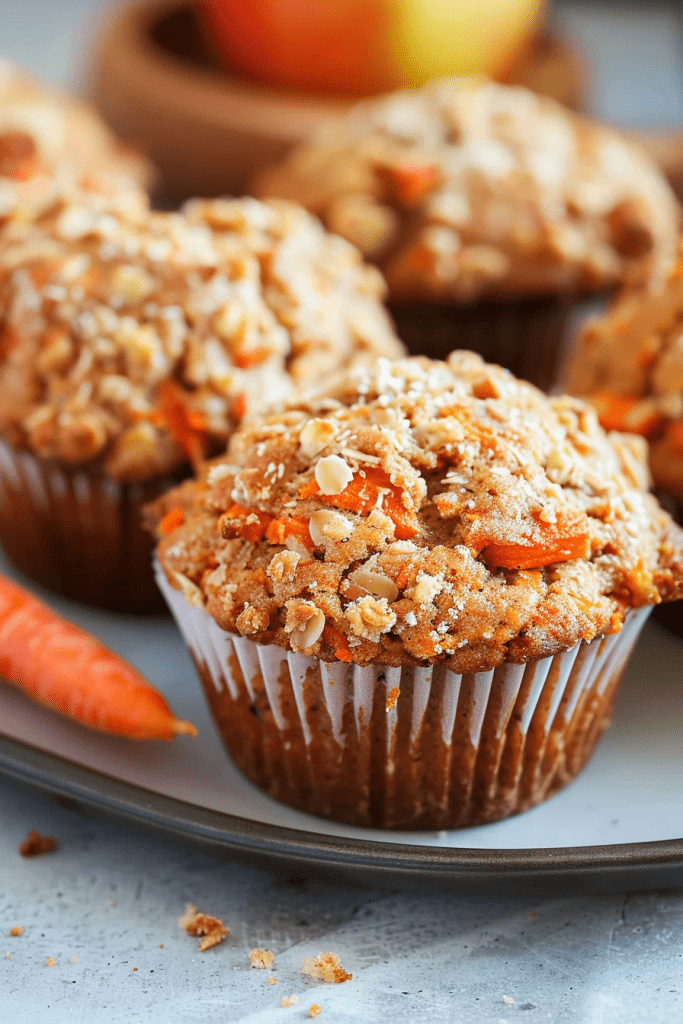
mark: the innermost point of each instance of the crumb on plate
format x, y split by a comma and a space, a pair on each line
211, 928
262, 959
35, 844
325, 967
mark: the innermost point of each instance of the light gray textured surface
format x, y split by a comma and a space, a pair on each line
111, 897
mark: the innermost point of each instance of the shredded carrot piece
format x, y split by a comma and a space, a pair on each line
362, 494
279, 529
412, 182
171, 521
403, 577
557, 548
309, 489
620, 412
239, 405
253, 531
612, 408
251, 357
187, 426
338, 642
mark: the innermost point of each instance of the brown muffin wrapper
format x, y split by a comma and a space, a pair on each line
408, 748
526, 336
79, 533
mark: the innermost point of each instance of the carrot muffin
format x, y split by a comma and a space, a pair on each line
411, 597
132, 342
629, 363
491, 211
51, 145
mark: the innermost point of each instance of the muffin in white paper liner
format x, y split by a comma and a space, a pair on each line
405, 747
77, 532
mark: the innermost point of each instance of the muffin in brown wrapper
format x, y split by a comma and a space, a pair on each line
477, 199
79, 533
404, 747
131, 344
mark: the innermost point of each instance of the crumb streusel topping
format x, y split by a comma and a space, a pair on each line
422, 511
52, 146
466, 189
629, 363
138, 339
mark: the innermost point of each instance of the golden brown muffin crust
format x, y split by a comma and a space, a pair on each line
466, 189
629, 363
52, 146
136, 338
422, 511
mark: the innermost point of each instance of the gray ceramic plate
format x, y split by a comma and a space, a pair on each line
618, 826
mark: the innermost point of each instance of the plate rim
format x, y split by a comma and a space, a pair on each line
639, 864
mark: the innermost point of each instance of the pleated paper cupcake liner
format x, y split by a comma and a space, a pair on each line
79, 533
527, 336
406, 747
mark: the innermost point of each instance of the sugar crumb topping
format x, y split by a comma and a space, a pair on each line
138, 339
466, 188
496, 525
629, 362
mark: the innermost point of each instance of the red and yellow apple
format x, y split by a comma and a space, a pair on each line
360, 47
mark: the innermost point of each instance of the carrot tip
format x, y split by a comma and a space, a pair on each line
181, 728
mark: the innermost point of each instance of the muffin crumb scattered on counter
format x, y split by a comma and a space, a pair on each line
198, 924
17, 930
288, 1001
314, 1010
50, 962
262, 959
35, 844
325, 967
272, 981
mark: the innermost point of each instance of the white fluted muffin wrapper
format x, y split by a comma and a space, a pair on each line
405, 747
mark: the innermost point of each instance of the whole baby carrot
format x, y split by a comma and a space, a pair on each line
71, 672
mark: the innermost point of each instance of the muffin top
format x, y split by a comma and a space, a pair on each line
629, 363
136, 339
52, 145
465, 189
422, 511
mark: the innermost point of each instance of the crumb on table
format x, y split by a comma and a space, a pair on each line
50, 962
17, 930
314, 1010
261, 958
197, 924
35, 844
288, 1001
325, 967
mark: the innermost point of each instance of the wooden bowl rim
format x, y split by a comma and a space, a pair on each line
233, 102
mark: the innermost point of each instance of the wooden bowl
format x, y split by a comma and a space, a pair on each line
157, 84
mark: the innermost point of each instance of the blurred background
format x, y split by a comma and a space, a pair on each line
170, 74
